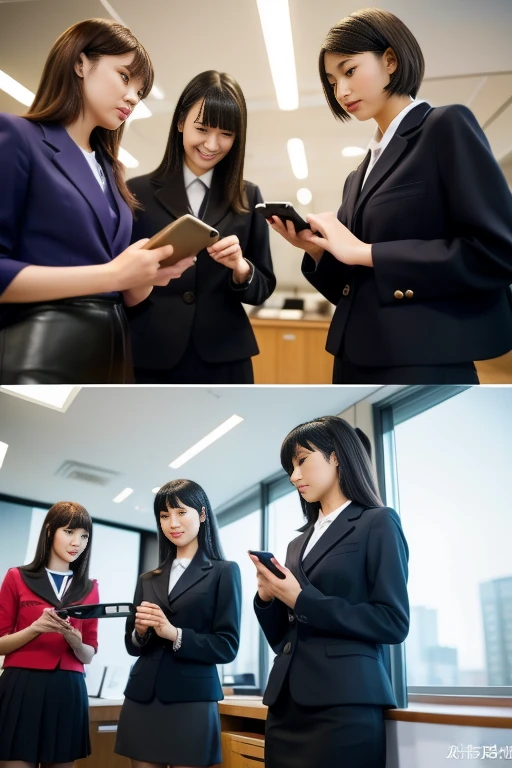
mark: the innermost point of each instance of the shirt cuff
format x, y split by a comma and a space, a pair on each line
246, 283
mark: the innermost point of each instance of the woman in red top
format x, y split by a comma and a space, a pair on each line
44, 717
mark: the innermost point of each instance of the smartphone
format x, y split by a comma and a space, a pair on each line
97, 611
187, 235
265, 559
285, 211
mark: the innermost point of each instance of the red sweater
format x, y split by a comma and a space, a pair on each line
20, 607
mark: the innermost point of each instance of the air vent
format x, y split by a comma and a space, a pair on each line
86, 473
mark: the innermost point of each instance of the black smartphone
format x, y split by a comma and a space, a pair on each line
265, 559
97, 611
285, 211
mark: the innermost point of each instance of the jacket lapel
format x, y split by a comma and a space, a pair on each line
160, 585
337, 531
350, 199
172, 194
216, 207
198, 570
70, 161
295, 551
39, 583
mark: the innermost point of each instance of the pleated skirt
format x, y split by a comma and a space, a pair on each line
179, 733
44, 716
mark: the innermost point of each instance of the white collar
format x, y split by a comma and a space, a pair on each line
183, 562
326, 519
379, 140
189, 177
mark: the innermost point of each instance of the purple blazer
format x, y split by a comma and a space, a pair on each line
52, 209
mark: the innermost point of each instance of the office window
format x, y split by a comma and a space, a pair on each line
447, 467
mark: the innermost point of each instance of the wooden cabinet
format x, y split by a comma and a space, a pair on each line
243, 750
292, 352
103, 730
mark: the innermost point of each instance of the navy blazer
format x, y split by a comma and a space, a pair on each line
205, 603
53, 212
204, 304
438, 213
353, 601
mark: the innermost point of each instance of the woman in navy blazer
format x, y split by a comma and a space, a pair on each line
342, 601
66, 270
44, 710
418, 260
187, 622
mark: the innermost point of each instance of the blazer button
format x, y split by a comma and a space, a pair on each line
189, 297
398, 294
409, 294
287, 648
346, 290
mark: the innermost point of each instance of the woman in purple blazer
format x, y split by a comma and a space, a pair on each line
66, 271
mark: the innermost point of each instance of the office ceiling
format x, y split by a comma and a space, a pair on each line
127, 437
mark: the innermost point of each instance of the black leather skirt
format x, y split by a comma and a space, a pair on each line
71, 341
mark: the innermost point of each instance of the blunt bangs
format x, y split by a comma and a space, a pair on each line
310, 436
220, 110
177, 493
68, 514
142, 67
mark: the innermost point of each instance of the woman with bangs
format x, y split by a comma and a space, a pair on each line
418, 259
187, 621
342, 600
195, 330
67, 270
44, 710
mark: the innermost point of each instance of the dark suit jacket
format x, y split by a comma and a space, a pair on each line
206, 604
52, 210
204, 305
438, 212
354, 600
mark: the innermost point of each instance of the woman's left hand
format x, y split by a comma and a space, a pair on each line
151, 615
333, 236
228, 252
286, 590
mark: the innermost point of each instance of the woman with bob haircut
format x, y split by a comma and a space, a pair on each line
195, 330
187, 621
44, 709
418, 260
66, 268
342, 600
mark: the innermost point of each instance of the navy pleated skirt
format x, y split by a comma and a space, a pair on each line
44, 716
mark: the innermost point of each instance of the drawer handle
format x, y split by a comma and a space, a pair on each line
288, 337
107, 728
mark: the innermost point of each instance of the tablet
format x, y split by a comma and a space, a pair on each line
187, 235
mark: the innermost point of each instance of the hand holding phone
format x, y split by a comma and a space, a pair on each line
284, 211
265, 559
187, 235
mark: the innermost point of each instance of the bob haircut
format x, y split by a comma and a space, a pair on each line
65, 514
330, 434
176, 494
374, 30
59, 97
222, 106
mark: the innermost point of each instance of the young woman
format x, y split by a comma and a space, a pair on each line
44, 711
195, 330
66, 271
187, 621
418, 259
343, 599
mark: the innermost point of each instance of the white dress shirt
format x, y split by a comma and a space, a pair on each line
178, 567
379, 142
196, 187
95, 168
322, 524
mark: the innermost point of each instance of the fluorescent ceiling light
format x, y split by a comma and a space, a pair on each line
56, 396
127, 160
277, 33
353, 151
15, 89
297, 155
206, 441
112, 12
140, 112
304, 195
3, 451
123, 495
157, 93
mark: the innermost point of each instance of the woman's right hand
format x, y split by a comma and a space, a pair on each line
299, 239
138, 266
48, 622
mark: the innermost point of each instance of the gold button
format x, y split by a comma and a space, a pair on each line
409, 294
398, 294
346, 290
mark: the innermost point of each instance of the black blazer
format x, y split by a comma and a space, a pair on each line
206, 604
438, 212
204, 304
354, 600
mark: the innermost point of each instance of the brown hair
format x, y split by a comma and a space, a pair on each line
374, 30
59, 95
222, 106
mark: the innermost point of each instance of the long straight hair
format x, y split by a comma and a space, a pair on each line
65, 514
59, 97
331, 434
222, 105
178, 493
